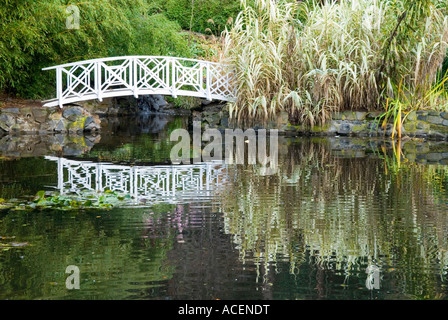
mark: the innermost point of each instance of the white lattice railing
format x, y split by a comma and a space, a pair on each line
168, 184
140, 75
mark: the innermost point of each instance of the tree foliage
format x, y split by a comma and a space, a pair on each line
34, 35
205, 16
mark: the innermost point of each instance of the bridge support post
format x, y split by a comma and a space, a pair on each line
98, 90
173, 78
59, 86
208, 81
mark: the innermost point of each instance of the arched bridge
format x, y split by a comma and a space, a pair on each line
140, 75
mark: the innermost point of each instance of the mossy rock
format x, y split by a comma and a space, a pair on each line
438, 128
57, 115
422, 125
411, 116
410, 126
358, 128
40, 114
434, 119
77, 124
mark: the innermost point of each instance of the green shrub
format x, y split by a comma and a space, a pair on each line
157, 35
202, 16
444, 70
33, 35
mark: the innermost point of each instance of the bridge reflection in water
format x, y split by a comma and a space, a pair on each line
154, 184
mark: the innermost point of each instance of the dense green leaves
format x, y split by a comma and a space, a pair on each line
84, 200
34, 35
203, 16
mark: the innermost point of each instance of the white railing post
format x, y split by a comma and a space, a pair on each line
207, 81
59, 87
98, 84
173, 78
167, 74
134, 76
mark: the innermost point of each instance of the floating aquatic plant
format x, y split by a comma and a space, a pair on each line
69, 202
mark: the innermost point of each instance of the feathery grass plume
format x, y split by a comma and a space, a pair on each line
311, 59
257, 46
412, 58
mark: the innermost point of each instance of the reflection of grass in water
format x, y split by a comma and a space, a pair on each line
145, 147
116, 261
24, 176
341, 210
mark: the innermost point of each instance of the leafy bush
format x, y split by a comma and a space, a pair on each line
34, 35
444, 70
157, 35
202, 16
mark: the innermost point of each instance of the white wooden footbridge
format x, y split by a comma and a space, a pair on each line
140, 75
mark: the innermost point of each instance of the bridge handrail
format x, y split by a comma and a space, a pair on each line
71, 64
140, 75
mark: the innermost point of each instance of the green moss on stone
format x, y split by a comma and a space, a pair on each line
77, 125
357, 128
410, 126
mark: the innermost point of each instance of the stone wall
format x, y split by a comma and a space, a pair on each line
43, 120
419, 124
416, 124
86, 118
410, 150
130, 106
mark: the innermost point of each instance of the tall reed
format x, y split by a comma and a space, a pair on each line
311, 59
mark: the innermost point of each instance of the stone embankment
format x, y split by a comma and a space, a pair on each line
410, 150
416, 124
43, 120
87, 116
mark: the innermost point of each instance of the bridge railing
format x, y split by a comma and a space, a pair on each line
140, 75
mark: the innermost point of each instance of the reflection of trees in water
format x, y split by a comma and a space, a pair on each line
115, 261
207, 265
343, 211
129, 140
156, 226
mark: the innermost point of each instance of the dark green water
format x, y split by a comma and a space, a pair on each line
333, 210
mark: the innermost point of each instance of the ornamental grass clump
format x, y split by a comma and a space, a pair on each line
257, 47
311, 58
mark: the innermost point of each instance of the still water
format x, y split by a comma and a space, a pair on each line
341, 218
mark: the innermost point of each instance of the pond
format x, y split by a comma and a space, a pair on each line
340, 218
